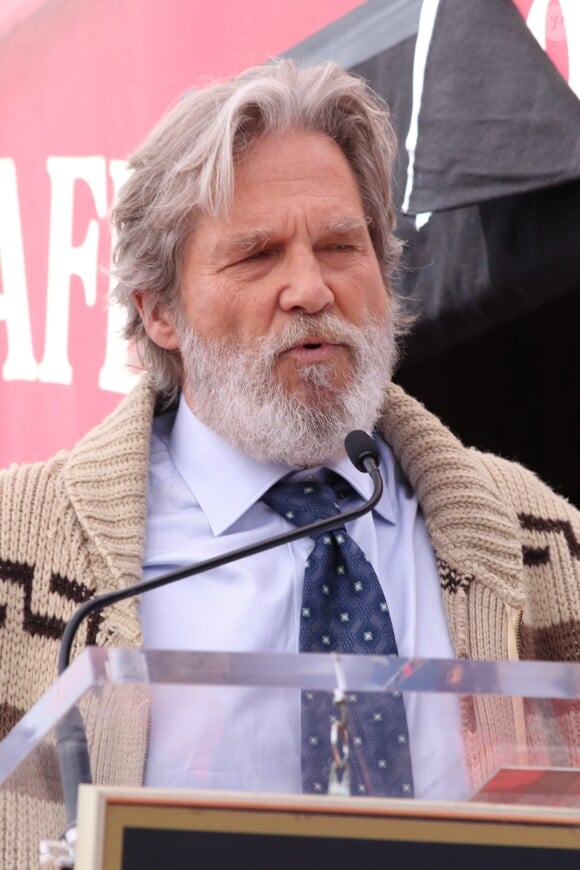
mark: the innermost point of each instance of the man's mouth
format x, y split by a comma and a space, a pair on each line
311, 342
314, 349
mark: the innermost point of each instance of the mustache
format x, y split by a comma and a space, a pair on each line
326, 326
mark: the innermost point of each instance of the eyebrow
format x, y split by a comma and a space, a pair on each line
246, 242
347, 224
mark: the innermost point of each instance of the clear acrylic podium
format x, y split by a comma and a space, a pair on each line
489, 741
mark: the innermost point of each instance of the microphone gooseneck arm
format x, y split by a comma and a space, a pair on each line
361, 451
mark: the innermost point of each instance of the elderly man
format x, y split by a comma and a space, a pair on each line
255, 251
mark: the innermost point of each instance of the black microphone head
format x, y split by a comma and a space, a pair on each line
360, 446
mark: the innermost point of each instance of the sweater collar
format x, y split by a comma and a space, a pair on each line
106, 478
469, 524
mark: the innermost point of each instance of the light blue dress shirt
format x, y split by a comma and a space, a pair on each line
203, 500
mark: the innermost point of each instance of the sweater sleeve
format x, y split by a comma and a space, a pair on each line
549, 528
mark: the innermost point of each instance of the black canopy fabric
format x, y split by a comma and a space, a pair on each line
494, 274
494, 117
497, 162
496, 159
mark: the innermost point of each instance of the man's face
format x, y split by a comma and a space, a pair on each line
289, 285
296, 240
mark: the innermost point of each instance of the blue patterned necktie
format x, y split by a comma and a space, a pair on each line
344, 610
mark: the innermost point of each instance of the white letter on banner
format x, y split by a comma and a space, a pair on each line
115, 375
20, 363
66, 260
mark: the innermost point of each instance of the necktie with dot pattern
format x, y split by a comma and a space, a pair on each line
344, 610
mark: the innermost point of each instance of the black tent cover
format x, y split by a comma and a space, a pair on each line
488, 199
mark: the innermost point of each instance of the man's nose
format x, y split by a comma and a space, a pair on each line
304, 284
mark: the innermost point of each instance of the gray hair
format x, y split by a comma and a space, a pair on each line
186, 166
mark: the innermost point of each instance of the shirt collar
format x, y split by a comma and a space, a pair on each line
226, 482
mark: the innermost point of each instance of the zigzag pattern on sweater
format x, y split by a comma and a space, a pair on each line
34, 623
452, 580
542, 524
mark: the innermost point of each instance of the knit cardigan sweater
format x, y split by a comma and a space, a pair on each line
507, 549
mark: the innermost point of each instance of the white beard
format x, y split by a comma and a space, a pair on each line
233, 389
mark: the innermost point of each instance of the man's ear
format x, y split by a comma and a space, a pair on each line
157, 320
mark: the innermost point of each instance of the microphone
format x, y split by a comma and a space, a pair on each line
72, 749
362, 451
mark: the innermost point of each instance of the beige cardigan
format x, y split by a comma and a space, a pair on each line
507, 548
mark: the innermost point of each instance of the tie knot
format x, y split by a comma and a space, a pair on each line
306, 501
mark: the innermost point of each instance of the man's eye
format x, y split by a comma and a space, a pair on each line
252, 257
245, 259
341, 247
